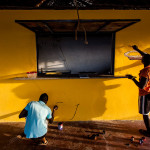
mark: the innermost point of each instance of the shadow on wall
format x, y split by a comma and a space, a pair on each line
88, 93
9, 115
135, 64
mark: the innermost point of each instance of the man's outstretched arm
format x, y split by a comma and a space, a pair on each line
53, 112
140, 84
137, 49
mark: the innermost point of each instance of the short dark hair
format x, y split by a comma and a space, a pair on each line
43, 97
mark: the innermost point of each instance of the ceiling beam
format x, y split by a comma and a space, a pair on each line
106, 23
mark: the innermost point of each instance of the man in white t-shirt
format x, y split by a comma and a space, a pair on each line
37, 113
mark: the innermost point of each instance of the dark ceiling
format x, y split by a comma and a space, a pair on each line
71, 4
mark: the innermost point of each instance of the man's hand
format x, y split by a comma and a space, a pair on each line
55, 107
135, 47
129, 76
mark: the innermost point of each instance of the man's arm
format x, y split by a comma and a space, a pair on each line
23, 114
53, 112
137, 49
140, 84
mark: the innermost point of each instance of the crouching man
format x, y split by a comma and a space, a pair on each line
37, 114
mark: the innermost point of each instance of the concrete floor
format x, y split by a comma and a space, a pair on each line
74, 136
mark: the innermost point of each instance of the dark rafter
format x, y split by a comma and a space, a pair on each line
40, 3
107, 22
69, 4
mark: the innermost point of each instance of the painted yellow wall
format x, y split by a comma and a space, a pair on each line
98, 99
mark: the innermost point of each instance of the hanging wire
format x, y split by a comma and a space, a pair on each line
76, 31
75, 111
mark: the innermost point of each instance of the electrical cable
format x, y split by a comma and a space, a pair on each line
75, 112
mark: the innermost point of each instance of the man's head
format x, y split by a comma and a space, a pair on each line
146, 59
44, 98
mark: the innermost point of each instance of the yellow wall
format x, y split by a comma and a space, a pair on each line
98, 99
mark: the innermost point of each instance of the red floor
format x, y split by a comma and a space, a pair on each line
75, 136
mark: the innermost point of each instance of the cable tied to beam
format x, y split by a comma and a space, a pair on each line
78, 25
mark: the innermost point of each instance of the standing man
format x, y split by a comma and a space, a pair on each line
37, 115
144, 90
